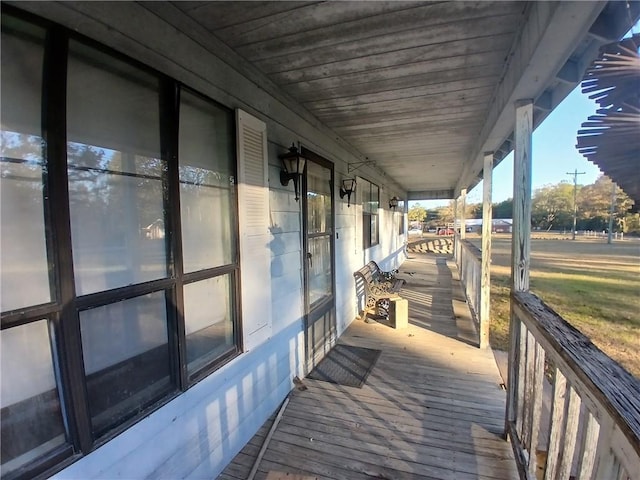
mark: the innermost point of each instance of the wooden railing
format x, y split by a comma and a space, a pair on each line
572, 411
469, 261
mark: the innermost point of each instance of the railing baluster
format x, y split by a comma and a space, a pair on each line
557, 424
536, 409
589, 446
521, 403
571, 431
528, 390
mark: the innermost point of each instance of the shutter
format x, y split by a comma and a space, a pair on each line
255, 237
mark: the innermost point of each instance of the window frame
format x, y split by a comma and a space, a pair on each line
400, 211
370, 214
63, 311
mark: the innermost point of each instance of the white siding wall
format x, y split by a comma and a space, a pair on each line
200, 431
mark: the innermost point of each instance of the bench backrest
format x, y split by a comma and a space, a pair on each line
370, 273
365, 276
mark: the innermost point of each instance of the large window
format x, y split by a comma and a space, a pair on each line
370, 204
119, 244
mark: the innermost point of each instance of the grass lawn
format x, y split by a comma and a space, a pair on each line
592, 285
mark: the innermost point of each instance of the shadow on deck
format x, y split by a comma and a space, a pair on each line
432, 408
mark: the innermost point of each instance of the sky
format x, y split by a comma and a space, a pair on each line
553, 150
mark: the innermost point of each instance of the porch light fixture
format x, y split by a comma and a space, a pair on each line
347, 188
292, 168
393, 202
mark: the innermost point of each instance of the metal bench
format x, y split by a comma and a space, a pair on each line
378, 287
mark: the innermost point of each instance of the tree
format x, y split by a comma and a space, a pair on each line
632, 223
552, 206
417, 213
594, 205
445, 215
503, 209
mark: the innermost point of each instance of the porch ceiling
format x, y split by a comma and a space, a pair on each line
422, 89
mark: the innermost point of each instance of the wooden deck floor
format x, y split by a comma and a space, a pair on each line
432, 408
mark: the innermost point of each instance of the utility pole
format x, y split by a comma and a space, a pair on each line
575, 201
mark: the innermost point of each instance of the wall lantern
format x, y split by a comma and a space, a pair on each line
393, 202
347, 188
292, 168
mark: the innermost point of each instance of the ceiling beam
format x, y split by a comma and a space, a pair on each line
430, 195
570, 72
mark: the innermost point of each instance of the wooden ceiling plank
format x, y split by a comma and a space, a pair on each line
417, 147
442, 112
409, 144
437, 37
284, 74
401, 93
431, 128
429, 67
453, 99
467, 75
219, 15
453, 104
440, 119
429, 20
287, 26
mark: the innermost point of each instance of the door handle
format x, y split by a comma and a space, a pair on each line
309, 257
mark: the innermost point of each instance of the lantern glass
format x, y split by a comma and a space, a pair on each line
349, 185
301, 161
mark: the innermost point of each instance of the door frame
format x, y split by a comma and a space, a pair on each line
327, 305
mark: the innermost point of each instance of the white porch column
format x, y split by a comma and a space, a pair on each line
520, 238
485, 282
521, 235
462, 209
455, 209
456, 239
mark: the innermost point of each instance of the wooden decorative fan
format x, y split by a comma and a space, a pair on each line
611, 138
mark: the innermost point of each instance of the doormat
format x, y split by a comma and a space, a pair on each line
346, 365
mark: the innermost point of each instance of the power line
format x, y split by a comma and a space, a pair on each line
575, 200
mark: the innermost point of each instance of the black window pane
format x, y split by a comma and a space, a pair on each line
29, 403
366, 230
374, 229
206, 184
116, 187
126, 358
24, 270
209, 325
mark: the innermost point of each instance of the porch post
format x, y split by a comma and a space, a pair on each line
463, 207
485, 282
456, 209
520, 239
456, 238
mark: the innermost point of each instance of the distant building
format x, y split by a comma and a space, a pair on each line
498, 225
